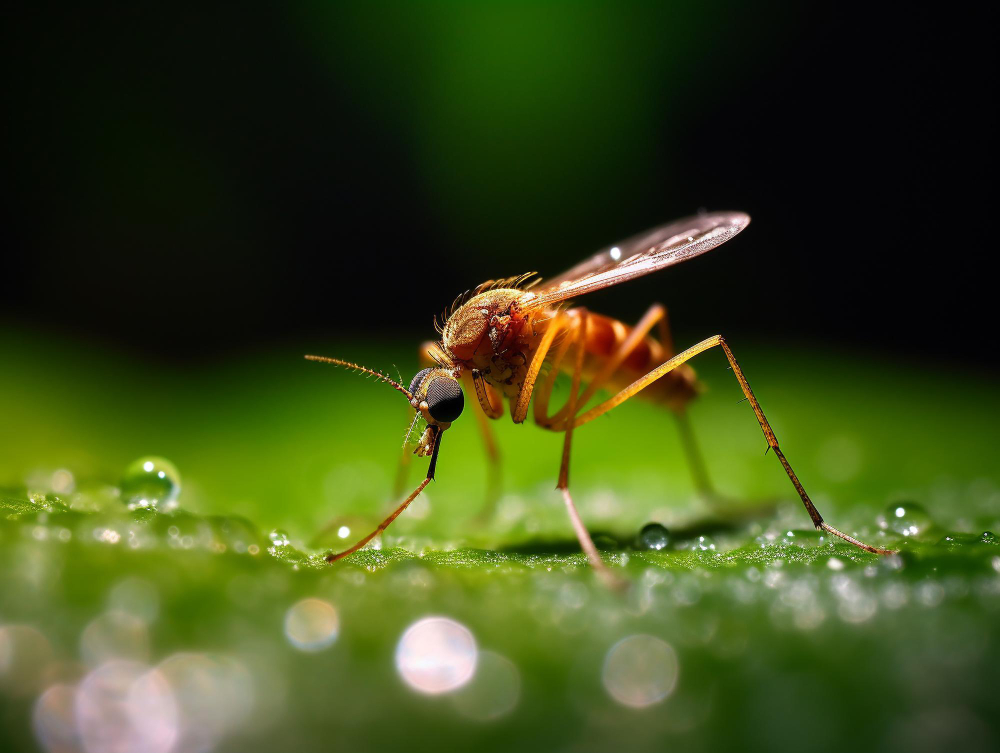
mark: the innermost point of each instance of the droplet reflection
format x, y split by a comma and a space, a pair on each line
640, 670
311, 625
436, 655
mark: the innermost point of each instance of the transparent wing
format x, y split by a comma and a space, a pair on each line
640, 255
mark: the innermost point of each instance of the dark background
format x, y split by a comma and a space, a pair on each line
189, 183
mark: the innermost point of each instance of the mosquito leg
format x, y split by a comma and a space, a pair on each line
692, 452
519, 408
772, 440
543, 389
402, 471
581, 337
695, 460
666, 338
586, 543
493, 477
395, 514
656, 313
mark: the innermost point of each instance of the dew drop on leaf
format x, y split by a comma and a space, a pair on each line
278, 537
151, 483
653, 536
906, 519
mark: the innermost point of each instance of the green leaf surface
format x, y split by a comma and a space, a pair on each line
747, 630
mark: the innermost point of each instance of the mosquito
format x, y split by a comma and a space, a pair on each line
496, 339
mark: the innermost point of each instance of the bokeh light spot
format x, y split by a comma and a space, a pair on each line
436, 655
493, 692
311, 624
640, 670
114, 635
53, 721
124, 707
25, 654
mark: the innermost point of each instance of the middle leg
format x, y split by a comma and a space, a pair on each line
657, 316
582, 535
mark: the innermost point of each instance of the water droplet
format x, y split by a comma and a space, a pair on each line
989, 537
906, 519
955, 540
639, 671
151, 483
278, 538
703, 544
311, 625
653, 536
436, 655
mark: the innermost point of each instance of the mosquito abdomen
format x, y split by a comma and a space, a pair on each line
605, 336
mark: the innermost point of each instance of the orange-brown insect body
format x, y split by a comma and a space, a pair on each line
605, 335
495, 335
500, 338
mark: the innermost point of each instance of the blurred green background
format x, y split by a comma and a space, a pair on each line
198, 196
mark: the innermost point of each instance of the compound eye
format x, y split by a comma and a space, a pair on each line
415, 382
445, 399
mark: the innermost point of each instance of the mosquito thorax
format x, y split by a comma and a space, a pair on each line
487, 320
438, 395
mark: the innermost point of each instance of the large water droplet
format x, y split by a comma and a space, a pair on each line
653, 536
278, 538
906, 519
151, 483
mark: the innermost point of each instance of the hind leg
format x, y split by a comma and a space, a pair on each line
772, 440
